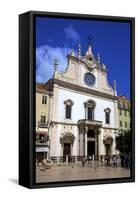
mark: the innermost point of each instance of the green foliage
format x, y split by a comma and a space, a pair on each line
123, 142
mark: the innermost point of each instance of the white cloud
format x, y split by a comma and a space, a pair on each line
72, 34
45, 56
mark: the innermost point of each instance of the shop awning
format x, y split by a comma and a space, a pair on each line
42, 149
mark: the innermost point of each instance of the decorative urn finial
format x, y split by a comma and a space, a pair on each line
98, 58
55, 65
79, 51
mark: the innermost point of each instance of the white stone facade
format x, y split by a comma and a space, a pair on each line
82, 135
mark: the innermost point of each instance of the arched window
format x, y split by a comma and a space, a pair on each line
89, 109
107, 115
68, 108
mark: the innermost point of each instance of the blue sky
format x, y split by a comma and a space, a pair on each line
55, 37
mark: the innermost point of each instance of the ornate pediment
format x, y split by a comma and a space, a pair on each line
108, 140
77, 68
67, 137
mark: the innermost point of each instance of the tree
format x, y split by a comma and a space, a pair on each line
123, 142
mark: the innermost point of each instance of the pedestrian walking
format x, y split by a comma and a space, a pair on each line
114, 161
108, 161
90, 158
95, 164
126, 161
83, 161
102, 160
122, 160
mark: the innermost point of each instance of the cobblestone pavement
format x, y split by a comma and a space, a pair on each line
70, 172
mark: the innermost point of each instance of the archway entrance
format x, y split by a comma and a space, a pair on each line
91, 143
67, 141
67, 151
108, 144
91, 148
108, 149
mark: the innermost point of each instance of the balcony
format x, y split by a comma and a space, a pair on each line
42, 124
42, 139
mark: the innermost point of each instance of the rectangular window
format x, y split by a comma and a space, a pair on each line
120, 111
120, 123
68, 111
125, 113
107, 117
125, 124
90, 113
43, 119
44, 99
41, 138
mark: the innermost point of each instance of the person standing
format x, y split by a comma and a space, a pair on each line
122, 160
90, 158
83, 161
114, 161
102, 160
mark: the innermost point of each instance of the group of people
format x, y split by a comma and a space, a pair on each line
109, 160
89, 159
105, 160
125, 160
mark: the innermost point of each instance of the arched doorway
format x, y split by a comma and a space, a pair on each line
108, 141
66, 151
91, 144
67, 141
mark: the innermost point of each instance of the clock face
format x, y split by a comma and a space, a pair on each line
89, 79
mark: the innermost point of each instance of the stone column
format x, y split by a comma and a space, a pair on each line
71, 149
85, 140
116, 114
81, 143
98, 146
67, 157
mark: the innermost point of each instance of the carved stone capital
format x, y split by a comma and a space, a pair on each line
86, 129
99, 131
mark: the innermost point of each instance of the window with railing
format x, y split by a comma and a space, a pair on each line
43, 118
42, 122
41, 138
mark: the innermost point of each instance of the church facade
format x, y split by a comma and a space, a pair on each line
83, 119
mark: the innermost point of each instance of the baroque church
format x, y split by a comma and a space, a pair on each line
83, 115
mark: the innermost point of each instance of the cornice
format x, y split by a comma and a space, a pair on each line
43, 91
79, 88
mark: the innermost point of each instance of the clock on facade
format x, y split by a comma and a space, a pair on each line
89, 79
